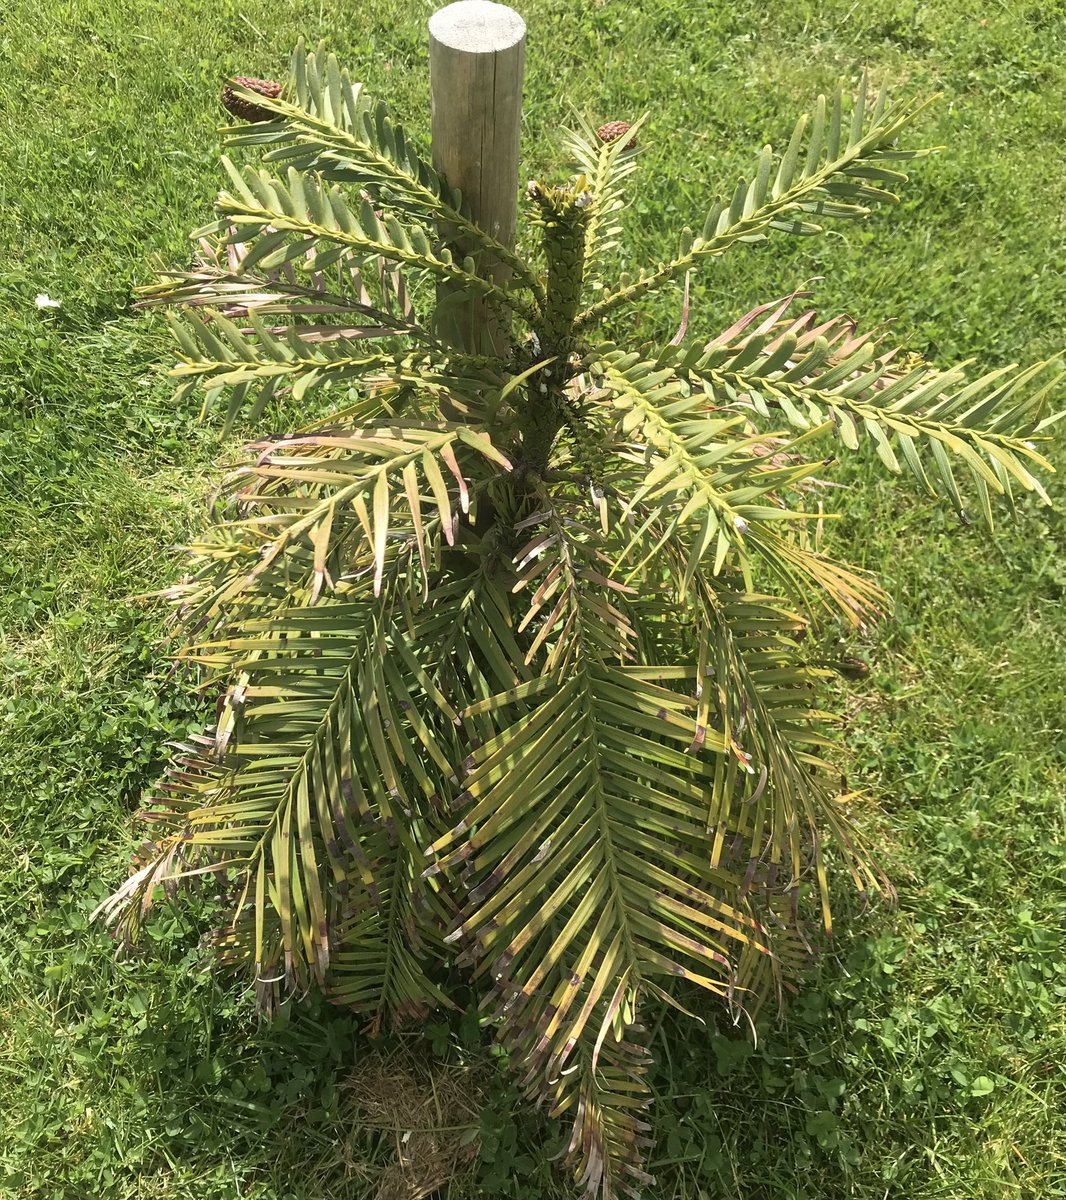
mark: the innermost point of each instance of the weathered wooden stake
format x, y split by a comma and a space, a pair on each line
476, 59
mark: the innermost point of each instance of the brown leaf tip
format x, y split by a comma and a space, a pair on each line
614, 130
245, 109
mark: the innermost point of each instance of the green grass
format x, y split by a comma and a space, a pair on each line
926, 1056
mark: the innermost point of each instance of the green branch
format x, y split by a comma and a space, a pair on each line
841, 188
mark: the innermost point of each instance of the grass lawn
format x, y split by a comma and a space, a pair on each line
927, 1056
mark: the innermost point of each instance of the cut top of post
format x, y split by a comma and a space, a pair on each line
477, 27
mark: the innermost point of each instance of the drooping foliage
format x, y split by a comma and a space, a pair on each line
509, 644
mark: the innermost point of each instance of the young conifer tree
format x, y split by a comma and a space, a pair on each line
509, 643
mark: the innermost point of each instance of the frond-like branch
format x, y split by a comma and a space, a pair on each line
571, 601
582, 848
304, 216
774, 790
814, 374
327, 125
334, 512
257, 362
238, 294
707, 483
310, 778
608, 1103
324, 778
606, 166
840, 176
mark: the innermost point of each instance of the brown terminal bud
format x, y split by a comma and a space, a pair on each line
245, 109
614, 130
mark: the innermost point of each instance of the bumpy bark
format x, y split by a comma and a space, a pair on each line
563, 214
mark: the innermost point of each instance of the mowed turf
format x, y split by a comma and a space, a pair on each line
925, 1057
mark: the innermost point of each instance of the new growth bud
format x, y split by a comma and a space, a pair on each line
245, 109
614, 130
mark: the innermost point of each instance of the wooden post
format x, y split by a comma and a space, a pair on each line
476, 58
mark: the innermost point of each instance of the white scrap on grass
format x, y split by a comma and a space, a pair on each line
43, 300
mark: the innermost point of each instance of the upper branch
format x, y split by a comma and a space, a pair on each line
839, 177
